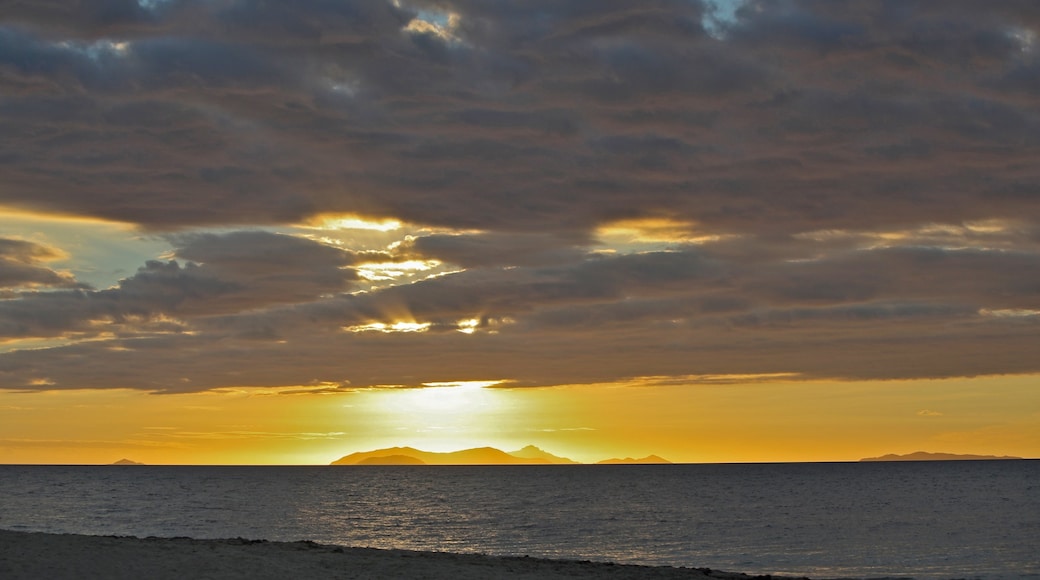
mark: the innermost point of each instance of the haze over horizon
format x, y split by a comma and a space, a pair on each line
761, 230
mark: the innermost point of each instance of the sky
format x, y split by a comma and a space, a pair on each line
238, 231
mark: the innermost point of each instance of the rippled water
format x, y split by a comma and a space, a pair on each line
926, 520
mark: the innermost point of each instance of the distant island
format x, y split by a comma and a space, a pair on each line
649, 459
529, 455
391, 460
126, 462
926, 456
532, 452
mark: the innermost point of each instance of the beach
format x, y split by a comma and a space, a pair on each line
30, 556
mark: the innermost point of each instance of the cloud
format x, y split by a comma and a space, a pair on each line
270, 268
533, 120
672, 313
21, 266
496, 249
586, 191
224, 273
928, 413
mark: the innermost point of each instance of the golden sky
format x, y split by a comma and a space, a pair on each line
723, 422
736, 231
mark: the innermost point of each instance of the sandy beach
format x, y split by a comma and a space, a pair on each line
31, 556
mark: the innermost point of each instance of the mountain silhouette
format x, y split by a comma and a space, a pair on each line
628, 460
926, 456
529, 455
407, 455
126, 462
392, 460
532, 452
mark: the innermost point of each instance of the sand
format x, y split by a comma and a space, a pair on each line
33, 556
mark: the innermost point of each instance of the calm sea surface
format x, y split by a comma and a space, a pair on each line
976, 519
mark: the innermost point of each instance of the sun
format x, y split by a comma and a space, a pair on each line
445, 415
449, 398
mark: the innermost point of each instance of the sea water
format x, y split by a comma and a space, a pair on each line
963, 519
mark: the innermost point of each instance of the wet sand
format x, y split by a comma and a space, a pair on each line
32, 556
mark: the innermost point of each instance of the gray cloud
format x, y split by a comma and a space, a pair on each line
229, 273
859, 181
529, 119
21, 265
842, 343
496, 249
679, 312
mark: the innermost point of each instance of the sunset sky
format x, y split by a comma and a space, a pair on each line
243, 231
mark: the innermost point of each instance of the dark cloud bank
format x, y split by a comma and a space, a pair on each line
851, 189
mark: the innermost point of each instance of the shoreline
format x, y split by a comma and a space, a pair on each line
32, 555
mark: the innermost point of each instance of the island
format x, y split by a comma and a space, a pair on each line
926, 456
126, 462
412, 456
649, 459
529, 455
392, 460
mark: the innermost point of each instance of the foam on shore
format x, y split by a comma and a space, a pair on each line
32, 555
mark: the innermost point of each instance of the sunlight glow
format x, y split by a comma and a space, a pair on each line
467, 326
714, 379
353, 222
445, 416
440, 24
388, 328
1009, 312
991, 226
57, 218
993, 234
651, 234
381, 271
647, 230
34, 343
836, 420
467, 384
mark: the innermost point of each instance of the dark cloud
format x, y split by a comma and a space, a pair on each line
21, 265
841, 343
492, 249
799, 116
694, 311
852, 188
229, 273
237, 272
260, 253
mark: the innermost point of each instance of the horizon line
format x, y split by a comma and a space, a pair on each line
576, 464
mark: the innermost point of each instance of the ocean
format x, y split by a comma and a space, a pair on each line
927, 520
